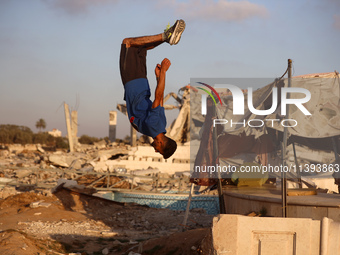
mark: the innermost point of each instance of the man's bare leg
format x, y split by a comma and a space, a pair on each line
149, 41
171, 35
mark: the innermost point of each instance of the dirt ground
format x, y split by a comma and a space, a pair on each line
71, 223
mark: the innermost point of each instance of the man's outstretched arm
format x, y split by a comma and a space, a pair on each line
160, 72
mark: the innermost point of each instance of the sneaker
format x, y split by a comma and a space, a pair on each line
173, 34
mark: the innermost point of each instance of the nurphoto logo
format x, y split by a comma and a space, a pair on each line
238, 99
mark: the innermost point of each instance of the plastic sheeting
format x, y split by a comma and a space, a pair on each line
324, 107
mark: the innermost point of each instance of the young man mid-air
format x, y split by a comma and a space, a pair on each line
146, 116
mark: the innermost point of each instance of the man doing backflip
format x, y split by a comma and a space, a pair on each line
146, 116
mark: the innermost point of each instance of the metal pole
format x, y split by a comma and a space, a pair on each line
298, 174
336, 155
283, 185
284, 148
188, 205
180, 184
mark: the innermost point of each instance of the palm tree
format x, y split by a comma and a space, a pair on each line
41, 124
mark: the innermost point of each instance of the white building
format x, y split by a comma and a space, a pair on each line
55, 132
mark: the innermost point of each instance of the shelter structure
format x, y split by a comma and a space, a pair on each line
257, 139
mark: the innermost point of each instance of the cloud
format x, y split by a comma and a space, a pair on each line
336, 23
76, 6
212, 10
221, 10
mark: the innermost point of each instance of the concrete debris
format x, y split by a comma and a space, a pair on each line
7, 191
105, 251
87, 228
90, 218
39, 204
29, 165
40, 149
108, 234
66, 160
99, 166
22, 173
100, 145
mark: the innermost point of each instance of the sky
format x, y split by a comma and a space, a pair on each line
56, 51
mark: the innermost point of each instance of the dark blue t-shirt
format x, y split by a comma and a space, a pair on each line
149, 121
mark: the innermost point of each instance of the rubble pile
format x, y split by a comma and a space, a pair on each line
87, 156
30, 165
46, 196
85, 224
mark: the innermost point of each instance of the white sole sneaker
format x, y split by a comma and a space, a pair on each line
176, 35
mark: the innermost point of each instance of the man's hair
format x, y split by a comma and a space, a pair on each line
169, 148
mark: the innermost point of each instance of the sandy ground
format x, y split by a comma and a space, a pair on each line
71, 223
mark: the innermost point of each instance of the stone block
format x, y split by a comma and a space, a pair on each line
239, 235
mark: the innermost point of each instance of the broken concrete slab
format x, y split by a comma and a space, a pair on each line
60, 160
69, 160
